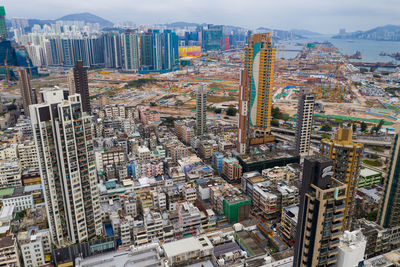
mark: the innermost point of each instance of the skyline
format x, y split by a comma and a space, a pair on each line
313, 15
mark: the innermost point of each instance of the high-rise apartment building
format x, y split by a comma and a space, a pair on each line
259, 63
82, 85
170, 49
146, 50
346, 156
130, 46
28, 96
201, 110
112, 43
157, 50
3, 25
243, 112
305, 115
321, 212
64, 141
389, 208
212, 37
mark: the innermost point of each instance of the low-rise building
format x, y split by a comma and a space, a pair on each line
189, 218
289, 223
369, 177
19, 199
231, 169
188, 250
9, 251
10, 173
27, 155
35, 246
136, 256
351, 249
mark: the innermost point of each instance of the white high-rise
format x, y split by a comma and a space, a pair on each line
201, 110
63, 137
305, 115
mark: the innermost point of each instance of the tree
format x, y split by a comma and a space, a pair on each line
153, 104
276, 113
377, 128
285, 117
12, 107
326, 128
354, 125
217, 111
231, 111
275, 123
372, 215
363, 126
325, 136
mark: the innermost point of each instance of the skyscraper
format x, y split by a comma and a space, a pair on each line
213, 37
27, 94
201, 110
157, 50
305, 115
64, 141
259, 63
112, 44
3, 26
81, 85
130, 46
243, 112
346, 156
389, 208
146, 50
320, 214
170, 49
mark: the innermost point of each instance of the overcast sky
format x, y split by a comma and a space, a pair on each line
325, 16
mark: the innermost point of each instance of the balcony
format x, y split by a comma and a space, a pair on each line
333, 251
335, 234
338, 216
337, 225
340, 207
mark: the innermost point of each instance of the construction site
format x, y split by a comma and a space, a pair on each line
319, 66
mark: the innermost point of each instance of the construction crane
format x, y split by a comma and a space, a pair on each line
6, 66
29, 66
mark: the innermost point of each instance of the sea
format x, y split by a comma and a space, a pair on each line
370, 49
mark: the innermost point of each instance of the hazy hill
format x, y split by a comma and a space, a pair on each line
382, 33
305, 32
88, 18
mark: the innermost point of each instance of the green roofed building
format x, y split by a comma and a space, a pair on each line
236, 208
369, 177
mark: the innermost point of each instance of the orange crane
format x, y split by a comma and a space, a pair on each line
6, 66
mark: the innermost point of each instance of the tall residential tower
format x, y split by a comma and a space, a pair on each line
64, 141
259, 64
320, 214
27, 94
389, 208
242, 143
346, 156
305, 114
82, 85
201, 110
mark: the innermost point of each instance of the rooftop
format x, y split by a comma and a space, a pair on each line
186, 245
266, 156
7, 241
147, 255
365, 172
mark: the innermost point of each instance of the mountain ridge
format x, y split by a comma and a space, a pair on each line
87, 18
381, 33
